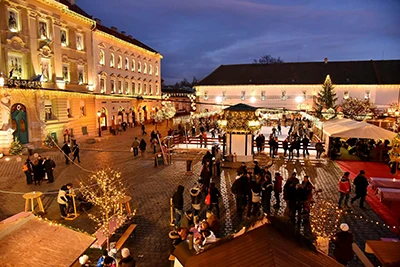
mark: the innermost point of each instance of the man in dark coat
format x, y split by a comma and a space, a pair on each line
259, 143
49, 166
127, 260
177, 202
285, 145
305, 142
66, 150
28, 170
75, 150
272, 144
214, 195
361, 184
343, 245
239, 189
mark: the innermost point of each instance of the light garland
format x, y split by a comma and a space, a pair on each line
324, 218
53, 223
371, 221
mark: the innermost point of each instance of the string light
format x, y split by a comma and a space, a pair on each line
324, 218
54, 223
351, 213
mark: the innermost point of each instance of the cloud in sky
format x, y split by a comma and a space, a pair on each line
195, 36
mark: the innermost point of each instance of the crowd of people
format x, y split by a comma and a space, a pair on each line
39, 169
110, 259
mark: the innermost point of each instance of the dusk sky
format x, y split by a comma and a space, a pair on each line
196, 36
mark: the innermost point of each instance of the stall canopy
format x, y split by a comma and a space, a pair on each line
26, 240
352, 129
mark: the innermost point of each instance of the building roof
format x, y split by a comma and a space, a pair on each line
241, 107
25, 240
77, 9
184, 90
341, 72
263, 246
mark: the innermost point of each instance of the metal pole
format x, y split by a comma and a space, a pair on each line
99, 128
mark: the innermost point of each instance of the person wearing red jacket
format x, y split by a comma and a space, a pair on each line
344, 189
278, 189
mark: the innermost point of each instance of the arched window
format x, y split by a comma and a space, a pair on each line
144, 89
150, 90
139, 67
112, 86
13, 20
157, 92
126, 87
145, 68
119, 62
101, 58
139, 88
126, 64
156, 70
133, 65
150, 69
112, 60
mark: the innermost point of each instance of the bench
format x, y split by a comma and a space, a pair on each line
125, 236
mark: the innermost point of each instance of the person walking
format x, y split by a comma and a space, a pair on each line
254, 195
285, 145
267, 188
259, 143
144, 130
63, 199
361, 184
135, 147
66, 151
239, 190
344, 190
305, 143
218, 159
177, 202
75, 151
343, 242
28, 170
142, 146
49, 166
319, 148
277, 189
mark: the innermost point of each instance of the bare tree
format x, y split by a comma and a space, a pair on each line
268, 59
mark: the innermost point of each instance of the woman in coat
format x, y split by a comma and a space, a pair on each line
142, 146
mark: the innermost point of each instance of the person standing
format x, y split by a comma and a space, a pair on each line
344, 190
305, 143
66, 150
267, 188
75, 151
214, 196
135, 147
361, 184
142, 146
49, 166
239, 190
272, 144
177, 202
343, 242
319, 148
63, 199
28, 170
37, 172
259, 143
143, 130
278, 189
218, 158
127, 260
196, 199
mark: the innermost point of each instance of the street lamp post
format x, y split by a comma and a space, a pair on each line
98, 119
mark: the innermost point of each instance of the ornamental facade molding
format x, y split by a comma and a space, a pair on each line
17, 44
45, 51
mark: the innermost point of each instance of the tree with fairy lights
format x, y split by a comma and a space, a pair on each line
326, 98
324, 220
16, 147
105, 191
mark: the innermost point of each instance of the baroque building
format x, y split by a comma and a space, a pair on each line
54, 77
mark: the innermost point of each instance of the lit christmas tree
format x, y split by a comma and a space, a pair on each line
106, 192
326, 99
16, 147
48, 141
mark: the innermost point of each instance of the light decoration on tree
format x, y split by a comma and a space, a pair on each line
326, 98
358, 109
324, 218
239, 121
16, 147
106, 197
49, 142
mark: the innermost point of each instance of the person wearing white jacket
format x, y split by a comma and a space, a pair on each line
63, 199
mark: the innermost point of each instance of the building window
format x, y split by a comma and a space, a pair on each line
45, 70
133, 65
150, 69
283, 96
43, 30
112, 60
102, 86
205, 95
15, 66
69, 113
48, 110
156, 70
145, 89
81, 74
139, 67
102, 60
65, 72
367, 94
157, 92
243, 96
120, 87
112, 87
79, 42
150, 90
126, 88
64, 37
133, 89
145, 68
13, 20
139, 88
346, 95
119, 62
82, 107
126, 64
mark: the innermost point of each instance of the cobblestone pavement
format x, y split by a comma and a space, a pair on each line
152, 187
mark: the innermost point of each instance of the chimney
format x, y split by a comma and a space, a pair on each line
114, 28
130, 36
326, 60
98, 21
123, 33
72, 2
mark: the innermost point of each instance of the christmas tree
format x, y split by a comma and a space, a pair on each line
106, 192
16, 147
48, 141
326, 98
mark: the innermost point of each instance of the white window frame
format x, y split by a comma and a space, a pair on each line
66, 44
145, 68
139, 68
150, 90
139, 88
126, 63
17, 18
112, 60
133, 65
40, 30
126, 87
82, 45
112, 86
81, 68
104, 89
102, 57
150, 69
156, 70
120, 88
133, 89
68, 79
119, 63
48, 62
